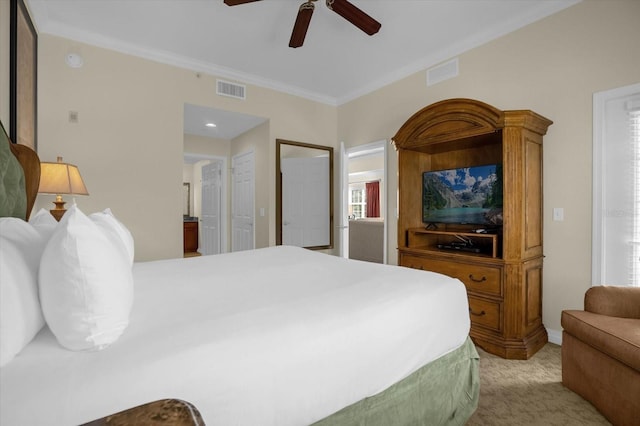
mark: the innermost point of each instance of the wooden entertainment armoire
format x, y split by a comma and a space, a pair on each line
503, 280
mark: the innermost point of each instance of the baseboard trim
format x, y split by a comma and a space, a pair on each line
555, 336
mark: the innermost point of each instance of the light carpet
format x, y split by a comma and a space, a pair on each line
515, 392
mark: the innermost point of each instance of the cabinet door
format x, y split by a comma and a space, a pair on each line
190, 237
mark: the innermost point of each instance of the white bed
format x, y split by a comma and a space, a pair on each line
277, 336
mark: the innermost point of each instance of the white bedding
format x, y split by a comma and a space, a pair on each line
278, 336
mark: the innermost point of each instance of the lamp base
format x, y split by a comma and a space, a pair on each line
59, 211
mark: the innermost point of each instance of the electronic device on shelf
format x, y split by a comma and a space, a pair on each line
465, 244
459, 247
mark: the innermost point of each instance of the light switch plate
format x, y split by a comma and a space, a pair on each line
558, 214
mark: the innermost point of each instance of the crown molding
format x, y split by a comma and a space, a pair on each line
45, 25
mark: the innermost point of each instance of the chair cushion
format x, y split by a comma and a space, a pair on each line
617, 337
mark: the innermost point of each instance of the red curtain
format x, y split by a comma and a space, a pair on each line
373, 199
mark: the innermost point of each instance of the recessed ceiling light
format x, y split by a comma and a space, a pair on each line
210, 125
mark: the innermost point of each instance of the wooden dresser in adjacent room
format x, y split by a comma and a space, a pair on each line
190, 237
504, 277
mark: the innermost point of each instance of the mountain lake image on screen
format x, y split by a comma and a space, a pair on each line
466, 195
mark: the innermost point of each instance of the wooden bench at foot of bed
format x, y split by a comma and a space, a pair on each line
164, 412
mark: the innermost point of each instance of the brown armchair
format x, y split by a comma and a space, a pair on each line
601, 352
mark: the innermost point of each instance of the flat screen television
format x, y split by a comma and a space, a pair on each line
466, 195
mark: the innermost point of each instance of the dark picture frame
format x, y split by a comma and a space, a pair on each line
23, 94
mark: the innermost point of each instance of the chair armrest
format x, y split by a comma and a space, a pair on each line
613, 301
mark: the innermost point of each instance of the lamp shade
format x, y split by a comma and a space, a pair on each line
61, 178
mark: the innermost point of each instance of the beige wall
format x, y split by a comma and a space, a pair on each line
128, 142
552, 67
216, 147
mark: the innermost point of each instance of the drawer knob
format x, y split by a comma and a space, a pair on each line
476, 313
475, 280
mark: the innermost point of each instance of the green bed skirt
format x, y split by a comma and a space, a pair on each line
443, 392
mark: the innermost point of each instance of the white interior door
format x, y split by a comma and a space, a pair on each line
211, 216
344, 202
243, 201
305, 198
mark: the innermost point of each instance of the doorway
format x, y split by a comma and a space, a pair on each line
362, 166
211, 135
206, 176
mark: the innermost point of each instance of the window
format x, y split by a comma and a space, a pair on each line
633, 114
616, 187
357, 201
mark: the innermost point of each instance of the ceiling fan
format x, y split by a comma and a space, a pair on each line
343, 8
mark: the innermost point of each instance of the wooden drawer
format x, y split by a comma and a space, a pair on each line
411, 261
485, 313
477, 278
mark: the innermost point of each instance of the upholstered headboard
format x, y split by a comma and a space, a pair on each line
20, 178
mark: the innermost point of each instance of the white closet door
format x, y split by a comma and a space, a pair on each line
211, 222
243, 200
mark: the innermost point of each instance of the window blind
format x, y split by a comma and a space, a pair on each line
616, 187
633, 119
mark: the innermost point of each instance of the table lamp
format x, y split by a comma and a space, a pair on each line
60, 178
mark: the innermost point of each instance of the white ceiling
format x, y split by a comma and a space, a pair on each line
228, 124
249, 43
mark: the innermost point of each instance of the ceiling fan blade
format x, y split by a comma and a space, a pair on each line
237, 2
301, 25
354, 15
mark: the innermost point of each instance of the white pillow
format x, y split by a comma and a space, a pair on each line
108, 222
20, 313
44, 223
86, 284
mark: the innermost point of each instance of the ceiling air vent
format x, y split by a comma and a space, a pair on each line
232, 90
442, 72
